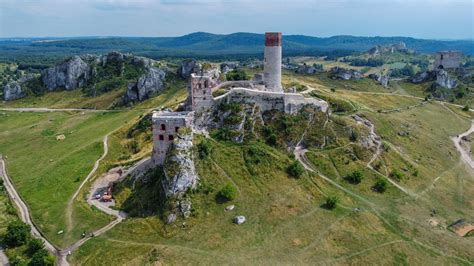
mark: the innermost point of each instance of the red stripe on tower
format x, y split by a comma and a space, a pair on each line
273, 39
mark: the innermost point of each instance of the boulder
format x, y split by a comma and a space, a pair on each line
13, 91
171, 218
345, 74
239, 219
382, 79
70, 74
147, 85
229, 208
187, 67
424, 76
444, 80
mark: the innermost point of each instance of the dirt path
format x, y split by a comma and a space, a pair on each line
24, 213
465, 156
3, 258
91, 173
48, 110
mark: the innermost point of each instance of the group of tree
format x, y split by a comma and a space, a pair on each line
17, 235
407, 71
371, 62
237, 74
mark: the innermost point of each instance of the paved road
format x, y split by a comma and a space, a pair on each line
23, 209
465, 157
3, 258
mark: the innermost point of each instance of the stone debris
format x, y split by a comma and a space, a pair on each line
60, 137
229, 208
239, 219
171, 218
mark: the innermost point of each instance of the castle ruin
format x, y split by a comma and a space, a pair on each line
448, 59
264, 90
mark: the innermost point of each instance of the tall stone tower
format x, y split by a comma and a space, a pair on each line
272, 62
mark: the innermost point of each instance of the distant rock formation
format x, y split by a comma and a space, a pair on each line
382, 79
146, 86
305, 69
70, 74
13, 91
345, 74
187, 67
384, 49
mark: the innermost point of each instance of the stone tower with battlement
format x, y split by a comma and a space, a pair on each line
200, 92
272, 62
448, 59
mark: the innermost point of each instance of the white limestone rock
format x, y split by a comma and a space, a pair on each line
187, 67
345, 74
70, 74
13, 91
239, 219
146, 86
444, 80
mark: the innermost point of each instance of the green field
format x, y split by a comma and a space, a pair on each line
286, 221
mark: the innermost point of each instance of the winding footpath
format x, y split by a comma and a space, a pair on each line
24, 213
465, 157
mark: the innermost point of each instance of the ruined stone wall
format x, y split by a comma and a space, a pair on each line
448, 59
165, 129
284, 102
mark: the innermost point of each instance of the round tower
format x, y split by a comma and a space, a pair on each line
272, 62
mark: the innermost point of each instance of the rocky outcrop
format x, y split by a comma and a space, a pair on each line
382, 79
424, 76
345, 74
146, 86
444, 80
180, 173
187, 67
384, 49
305, 69
71, 74
13, 91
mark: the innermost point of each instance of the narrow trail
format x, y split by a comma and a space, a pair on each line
49, 110
24, 212
3, 258
347, 256
91, 173
465, 156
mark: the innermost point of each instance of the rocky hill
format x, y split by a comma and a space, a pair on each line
139, 77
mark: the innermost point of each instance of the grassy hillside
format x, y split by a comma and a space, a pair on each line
287, 222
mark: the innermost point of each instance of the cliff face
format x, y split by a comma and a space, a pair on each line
13, 91
150, 83
70, 74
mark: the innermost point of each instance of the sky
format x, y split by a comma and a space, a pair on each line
429, 19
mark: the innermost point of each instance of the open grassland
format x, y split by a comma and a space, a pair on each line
287, 223
47, 172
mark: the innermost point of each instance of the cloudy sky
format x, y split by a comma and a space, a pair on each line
439, 19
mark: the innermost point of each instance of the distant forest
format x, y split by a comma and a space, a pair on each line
201, 45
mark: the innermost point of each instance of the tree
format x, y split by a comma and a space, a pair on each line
34, 245
228, 192
237, 74
17, 234
380, 186
295, 169
355, 177
204, 149
331, 202
396, 174
41, 258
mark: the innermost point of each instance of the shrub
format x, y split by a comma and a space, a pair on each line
396, 174
17, 234
465, 108
380, 186
34, 245
272, 140
204, 149
355, 177
295, 169
331, 202
354, 135
227, 193
237, 74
